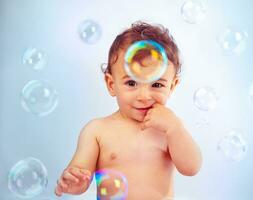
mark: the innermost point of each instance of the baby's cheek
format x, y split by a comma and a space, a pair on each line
160, 98
125, 99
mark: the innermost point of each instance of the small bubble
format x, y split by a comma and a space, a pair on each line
194, 11
90, 31
27, 178
232, 40
35, 58
205, 98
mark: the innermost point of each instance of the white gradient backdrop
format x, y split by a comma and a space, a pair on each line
74, 70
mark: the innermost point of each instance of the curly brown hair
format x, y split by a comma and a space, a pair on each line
144, 31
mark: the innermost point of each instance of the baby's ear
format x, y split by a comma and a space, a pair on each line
174, 83
110, 84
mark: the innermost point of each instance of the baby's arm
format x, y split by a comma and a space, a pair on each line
184, 152
76, 178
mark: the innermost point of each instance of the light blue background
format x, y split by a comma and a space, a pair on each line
74, 69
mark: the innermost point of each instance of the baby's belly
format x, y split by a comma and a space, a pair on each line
149, 183
143, 159
143, 186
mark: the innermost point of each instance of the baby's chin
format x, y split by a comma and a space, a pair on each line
139, 119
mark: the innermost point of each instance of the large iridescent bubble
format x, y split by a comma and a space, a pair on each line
35, 58
232, 145
27, 178
39, 97
90, 31
111, 185
233, 40
194, 11
145, 61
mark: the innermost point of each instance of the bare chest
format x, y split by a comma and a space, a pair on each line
131, 147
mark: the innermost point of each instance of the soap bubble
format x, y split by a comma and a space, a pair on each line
205, 98
146, 61
27, 178
111, 185
35, 58
232, 40
39, 97
90, 31
233, 145
194, 11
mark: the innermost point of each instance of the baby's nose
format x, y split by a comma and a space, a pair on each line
143, 94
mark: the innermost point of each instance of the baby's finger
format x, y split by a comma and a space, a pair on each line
147, 117
85, 171
62, 183
145, 124
148, 124
58, 191
69, 177
81, 173
77, 173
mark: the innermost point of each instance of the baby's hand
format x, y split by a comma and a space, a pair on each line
161, 118
73, 181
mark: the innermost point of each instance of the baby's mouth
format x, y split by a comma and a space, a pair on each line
144, 109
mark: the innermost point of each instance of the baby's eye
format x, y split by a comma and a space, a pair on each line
157, 85
131, 83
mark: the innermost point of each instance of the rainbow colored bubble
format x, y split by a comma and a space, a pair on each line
111, 185
146, 61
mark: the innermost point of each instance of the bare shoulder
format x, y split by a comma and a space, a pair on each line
92, 127
95, 126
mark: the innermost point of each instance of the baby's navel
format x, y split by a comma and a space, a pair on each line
113, 156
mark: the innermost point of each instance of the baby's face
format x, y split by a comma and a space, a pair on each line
133, 96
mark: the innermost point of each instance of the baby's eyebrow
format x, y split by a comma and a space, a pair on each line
126, 76
161, 79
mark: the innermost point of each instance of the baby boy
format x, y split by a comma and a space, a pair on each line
143, 139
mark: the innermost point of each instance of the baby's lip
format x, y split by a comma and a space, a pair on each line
144, 108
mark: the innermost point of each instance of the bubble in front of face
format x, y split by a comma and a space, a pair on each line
205, 98
232, 40
111, 185
232, 146
35, 58
39, 97
90, 31
145, 61
27, 178
194, 11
